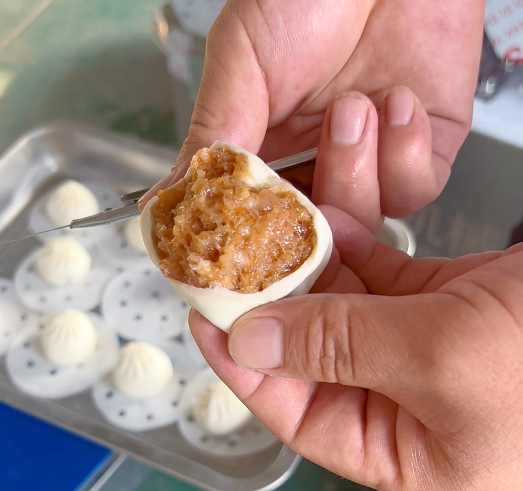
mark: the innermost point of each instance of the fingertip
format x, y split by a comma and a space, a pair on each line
407, 173
200, 326
329, 273
350, 236
399, 106
348, 118
346, 174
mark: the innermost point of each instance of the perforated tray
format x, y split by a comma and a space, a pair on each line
27, 170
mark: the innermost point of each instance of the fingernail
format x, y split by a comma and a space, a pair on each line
257, 343
348, 117
400, 107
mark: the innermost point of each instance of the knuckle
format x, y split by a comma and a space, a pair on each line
327, 356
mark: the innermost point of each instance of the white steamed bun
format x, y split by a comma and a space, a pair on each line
69, 338
63, 262
133, 235
143, 370
219, 411
69, 201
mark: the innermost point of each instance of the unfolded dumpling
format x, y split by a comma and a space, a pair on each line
231, 235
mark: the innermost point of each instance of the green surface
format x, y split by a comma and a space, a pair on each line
15, 15
132, 476
94, 61
308, 476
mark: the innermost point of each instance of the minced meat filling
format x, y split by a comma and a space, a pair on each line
218, 231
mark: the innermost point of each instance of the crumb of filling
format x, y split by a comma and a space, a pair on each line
218, 231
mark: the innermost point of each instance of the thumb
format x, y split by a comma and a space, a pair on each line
366, 341
232, 90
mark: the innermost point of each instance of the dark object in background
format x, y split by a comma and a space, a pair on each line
517, 235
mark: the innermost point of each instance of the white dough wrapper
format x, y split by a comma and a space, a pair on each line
106, 196
250, 439
141, 306
36, 294
138, 415
13, 316
35, 375
221, 306
116, 250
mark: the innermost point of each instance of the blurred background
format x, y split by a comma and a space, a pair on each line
132, 67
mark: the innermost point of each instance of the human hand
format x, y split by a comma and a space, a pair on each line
272, 69
436, 343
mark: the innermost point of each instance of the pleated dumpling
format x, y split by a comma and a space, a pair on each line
219, 411
69, 338
63, 262
142, 371
133, 235
69, 201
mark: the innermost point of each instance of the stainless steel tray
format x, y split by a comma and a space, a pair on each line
29, 167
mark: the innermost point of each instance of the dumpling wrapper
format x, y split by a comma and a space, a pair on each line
223, 307
69, 338
219, 411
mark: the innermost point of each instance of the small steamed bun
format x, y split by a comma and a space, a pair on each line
69, 201
219, 411
143, 370
69, 338
133, 235
63, 262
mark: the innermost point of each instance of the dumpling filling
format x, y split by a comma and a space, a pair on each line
215, 230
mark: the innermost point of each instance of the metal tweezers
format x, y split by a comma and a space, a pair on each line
130, 208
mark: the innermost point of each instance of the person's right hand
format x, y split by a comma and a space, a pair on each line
272, 67
399, 374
